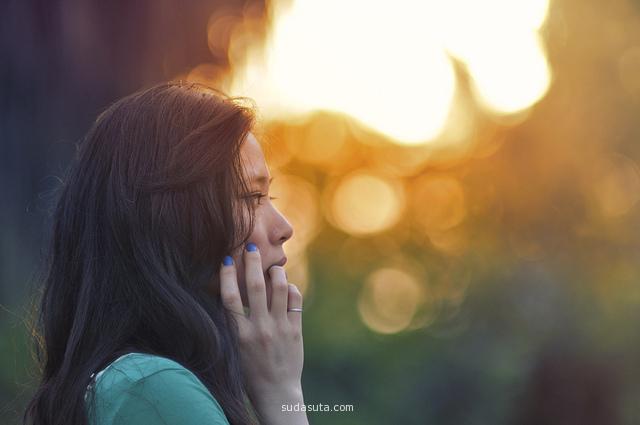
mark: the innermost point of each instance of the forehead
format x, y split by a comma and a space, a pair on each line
253, 158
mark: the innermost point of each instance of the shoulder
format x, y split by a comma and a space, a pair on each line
136, 366
142, 388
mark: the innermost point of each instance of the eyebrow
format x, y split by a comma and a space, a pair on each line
262, 179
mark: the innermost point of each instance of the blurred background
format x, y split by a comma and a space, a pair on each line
462, 177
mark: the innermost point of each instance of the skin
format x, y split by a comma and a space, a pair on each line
269, 336
271, 229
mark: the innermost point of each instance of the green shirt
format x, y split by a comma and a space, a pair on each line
145, 389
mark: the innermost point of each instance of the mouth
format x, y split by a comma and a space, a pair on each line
280, 263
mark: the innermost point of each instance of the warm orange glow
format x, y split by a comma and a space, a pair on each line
205, 73
439, 204
499, 42
363, 203
398, 81
629, 70
323, 141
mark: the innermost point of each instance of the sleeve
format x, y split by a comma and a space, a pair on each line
168, 397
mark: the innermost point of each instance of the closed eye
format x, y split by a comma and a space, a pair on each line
259, 196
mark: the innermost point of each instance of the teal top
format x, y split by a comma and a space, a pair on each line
145, 389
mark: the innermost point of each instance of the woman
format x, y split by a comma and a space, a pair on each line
165, 299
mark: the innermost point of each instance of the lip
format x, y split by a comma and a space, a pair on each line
282, 262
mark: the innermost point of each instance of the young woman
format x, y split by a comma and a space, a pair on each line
165, 299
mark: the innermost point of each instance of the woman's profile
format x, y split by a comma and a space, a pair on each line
164, 297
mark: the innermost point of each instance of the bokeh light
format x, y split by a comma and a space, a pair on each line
499, 42
363, 203
513, 76
322, 141
401, 81
389, 300
401, 161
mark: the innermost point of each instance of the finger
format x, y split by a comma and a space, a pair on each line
279, 292
229, 291
256, 287
295, 301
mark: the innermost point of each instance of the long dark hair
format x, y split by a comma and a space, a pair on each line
151, 204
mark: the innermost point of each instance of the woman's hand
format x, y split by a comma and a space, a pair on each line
271, 347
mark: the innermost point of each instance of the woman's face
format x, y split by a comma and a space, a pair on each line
271, 229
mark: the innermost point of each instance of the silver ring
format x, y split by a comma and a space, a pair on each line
295, 309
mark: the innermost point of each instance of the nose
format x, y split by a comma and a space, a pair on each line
283, 229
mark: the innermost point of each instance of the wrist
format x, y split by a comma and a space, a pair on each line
279, 407
280, 395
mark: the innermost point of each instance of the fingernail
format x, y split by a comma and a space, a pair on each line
251, 247
227, 261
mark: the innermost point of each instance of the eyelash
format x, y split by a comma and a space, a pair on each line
260, 195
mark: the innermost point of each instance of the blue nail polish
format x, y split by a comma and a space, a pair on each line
227, 261
251, 247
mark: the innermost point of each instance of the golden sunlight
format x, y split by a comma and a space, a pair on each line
439, 203
389, 67
363, 203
